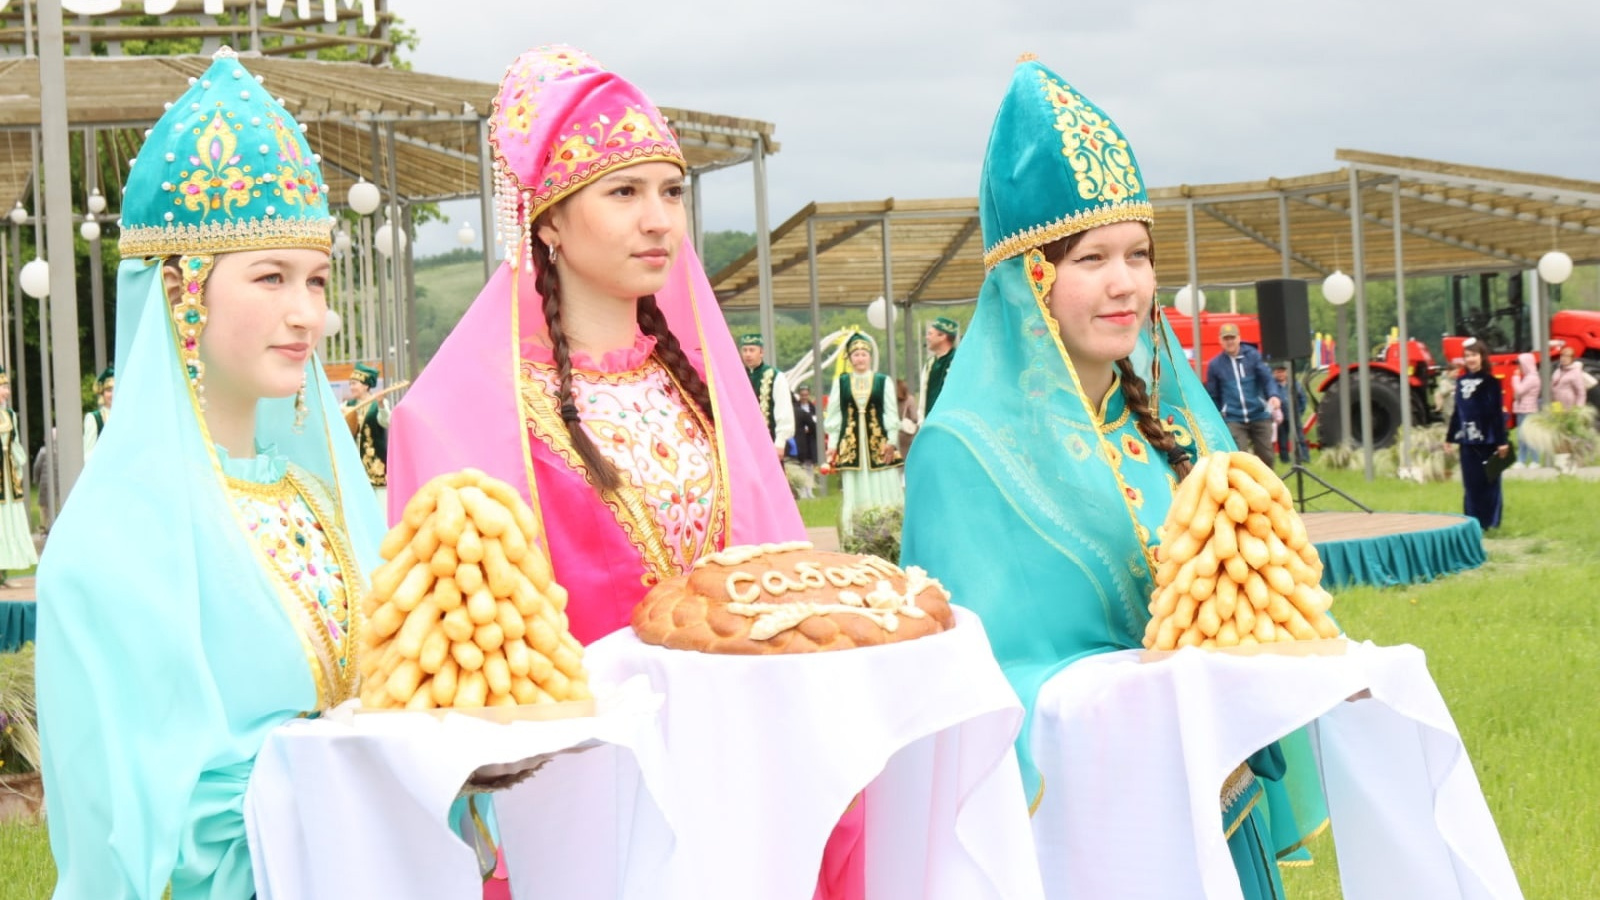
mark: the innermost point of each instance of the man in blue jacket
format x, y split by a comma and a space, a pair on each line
1241, 385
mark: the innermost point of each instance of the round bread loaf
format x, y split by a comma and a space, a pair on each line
791, 598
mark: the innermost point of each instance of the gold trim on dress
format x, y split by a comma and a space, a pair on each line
1311, 835
232, 236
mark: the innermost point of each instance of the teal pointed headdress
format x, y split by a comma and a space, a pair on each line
1056, 165
226, 169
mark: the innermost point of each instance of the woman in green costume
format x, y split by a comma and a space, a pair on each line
203, 583
1036, 486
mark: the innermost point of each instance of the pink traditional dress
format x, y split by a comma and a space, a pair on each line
692, 483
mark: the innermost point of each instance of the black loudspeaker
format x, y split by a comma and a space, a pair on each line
1285, 318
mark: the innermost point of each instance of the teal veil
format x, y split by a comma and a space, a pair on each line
166, 651
1013, 499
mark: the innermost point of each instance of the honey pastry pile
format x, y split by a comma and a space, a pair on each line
466, 613
1234, 566
790, 598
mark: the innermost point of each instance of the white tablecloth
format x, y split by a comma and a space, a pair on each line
1134, 755
763, 755
346, 807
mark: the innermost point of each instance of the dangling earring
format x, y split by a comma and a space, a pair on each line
552, 252
189, 315
301, 410
1041, 274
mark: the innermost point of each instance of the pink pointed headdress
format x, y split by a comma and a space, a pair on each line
463, 410
559, 122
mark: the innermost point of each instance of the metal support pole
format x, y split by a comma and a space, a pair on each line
409, 346
819, 393
1405, 333
1341, 361
769, 324
888, 300
1194, 285
1543, 308
19, 380
398, 333
369, 305
696, 221
380, 302
1363, 344
486, 199
63, 275
1283, 232
97, 296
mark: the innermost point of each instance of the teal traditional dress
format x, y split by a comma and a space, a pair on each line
1037, 505
190, 603
934, 372
862, 424
16, 531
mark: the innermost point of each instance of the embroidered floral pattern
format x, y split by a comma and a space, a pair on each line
297, 181
1134, 449
1101, 162
643, 426
217, 178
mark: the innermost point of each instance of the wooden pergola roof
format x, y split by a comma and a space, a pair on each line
435, 119
1453, 218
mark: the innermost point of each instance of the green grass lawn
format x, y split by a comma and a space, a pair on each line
1513, 647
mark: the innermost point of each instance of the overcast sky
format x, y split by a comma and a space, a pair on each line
893, 98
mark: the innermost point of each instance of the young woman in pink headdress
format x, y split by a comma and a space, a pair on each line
595, 371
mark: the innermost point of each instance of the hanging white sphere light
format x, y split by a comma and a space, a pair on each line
35, 279
1555, 267
389, 240
1338, 288
341, 242
1189, 300
97, 202
18, 214
364, 197
465, 236
331, 323
879, 315
90, 229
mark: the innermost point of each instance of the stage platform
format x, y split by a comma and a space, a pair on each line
1387, 549
17, 613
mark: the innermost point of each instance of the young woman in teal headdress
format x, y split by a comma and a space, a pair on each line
1036, 486
203, 583
862, 423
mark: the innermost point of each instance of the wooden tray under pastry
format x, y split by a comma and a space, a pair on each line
536, 712
1320, 647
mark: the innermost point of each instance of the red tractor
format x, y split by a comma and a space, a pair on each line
1505, 329
1579, 329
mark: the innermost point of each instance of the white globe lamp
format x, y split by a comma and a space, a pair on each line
465, 236
90, 229
1189, 300
35, 279
879, 315
389, 240
97, 202
1555, 267
341, 242
331, 323
364, 197
18, 214
1338, 288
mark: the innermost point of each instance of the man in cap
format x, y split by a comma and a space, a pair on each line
1242, 387
369, 423
942, 336
772, 391
94, 422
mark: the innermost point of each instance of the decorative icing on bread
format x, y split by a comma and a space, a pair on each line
791, 598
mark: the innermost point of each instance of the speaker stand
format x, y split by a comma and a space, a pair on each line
1298, 471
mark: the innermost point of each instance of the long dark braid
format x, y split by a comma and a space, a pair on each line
1134, 390
653, 323
602, 474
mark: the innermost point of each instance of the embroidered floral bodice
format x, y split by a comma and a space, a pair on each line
279, 519
636, 414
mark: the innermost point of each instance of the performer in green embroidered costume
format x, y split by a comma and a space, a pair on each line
369, 424
16, 533
772, 390
862, 425
942, 336
1037, 485
94, 421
